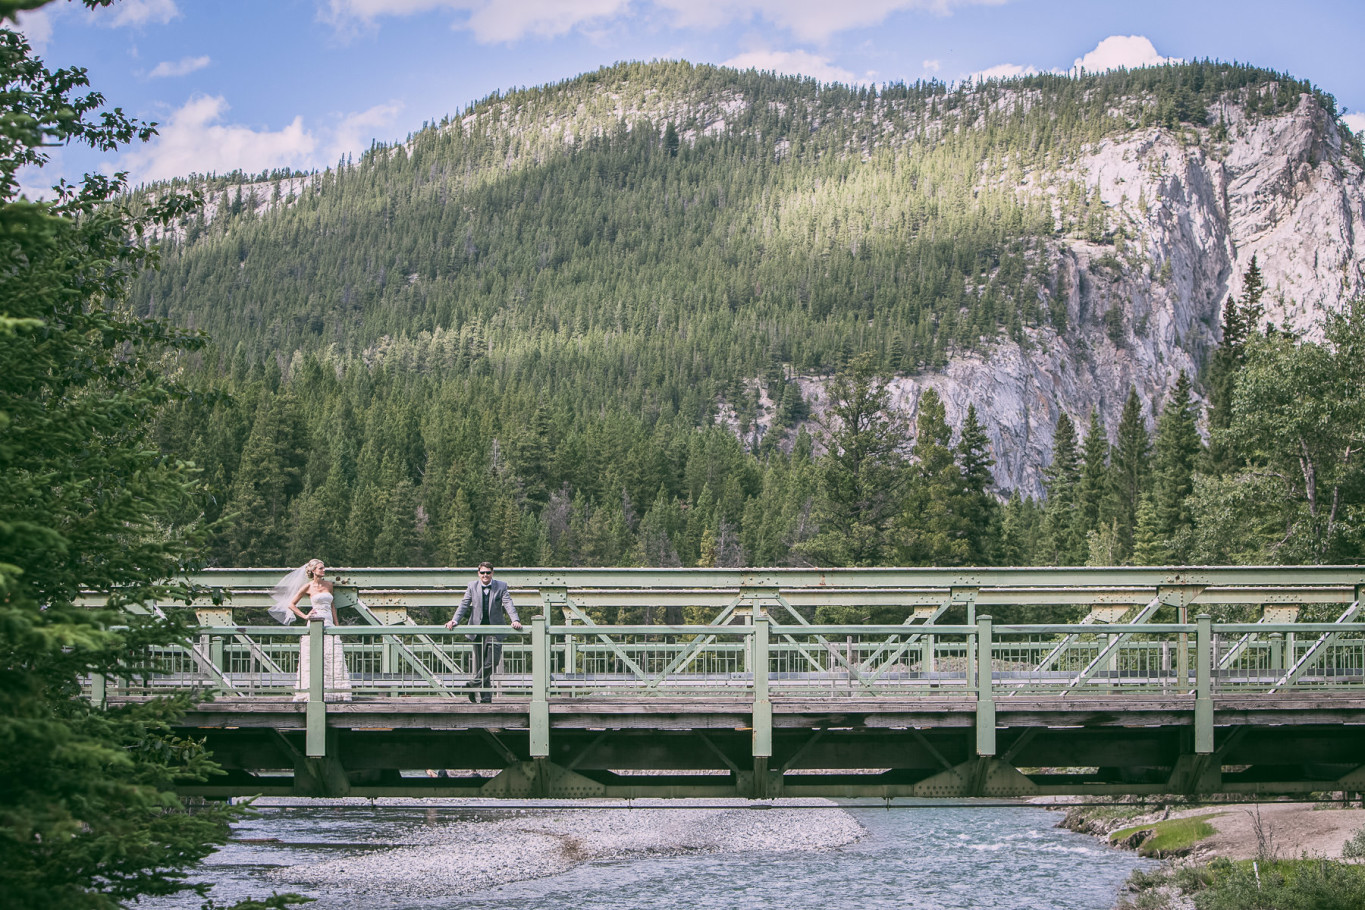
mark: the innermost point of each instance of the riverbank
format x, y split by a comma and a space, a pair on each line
1240, 851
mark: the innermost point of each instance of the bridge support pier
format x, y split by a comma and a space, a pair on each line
1196, 773
321, 775
539, 713
1203, 690
982, 776
541, 778
760, 783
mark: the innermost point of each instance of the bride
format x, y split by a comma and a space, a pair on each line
311, 579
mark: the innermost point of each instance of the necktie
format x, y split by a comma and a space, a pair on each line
486, 617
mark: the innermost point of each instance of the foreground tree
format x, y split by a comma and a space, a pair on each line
88, 818
1241, 320
1298, 420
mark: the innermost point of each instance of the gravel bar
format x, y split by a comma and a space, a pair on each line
539, 839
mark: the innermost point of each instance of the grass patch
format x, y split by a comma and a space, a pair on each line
1171, 837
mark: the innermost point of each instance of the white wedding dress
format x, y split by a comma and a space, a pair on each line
336, 679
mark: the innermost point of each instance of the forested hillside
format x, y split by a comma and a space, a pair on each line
574, 324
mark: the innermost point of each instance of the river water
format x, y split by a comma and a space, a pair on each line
365, 857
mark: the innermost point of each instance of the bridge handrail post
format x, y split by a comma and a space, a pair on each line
763, 706
1203, 688
985, 699
540, 689
316, 712
99, 690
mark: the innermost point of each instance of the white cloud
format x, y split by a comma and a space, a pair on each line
509, 20
796, 63
807, 20
140, 12
1002, 71
491, 21
36, 26
356, 131
931, 66
181, 67
1121, 51
498, 21
193, 141
1356, 122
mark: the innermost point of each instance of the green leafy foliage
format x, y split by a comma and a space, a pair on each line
1304, 884
1297, 426
88, 816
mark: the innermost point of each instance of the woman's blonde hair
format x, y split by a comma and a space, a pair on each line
310, 566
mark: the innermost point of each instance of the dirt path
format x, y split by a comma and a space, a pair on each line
1289, 830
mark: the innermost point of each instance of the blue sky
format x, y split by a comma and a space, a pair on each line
259, 84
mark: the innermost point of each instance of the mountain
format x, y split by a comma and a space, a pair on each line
1033, 246
568, 302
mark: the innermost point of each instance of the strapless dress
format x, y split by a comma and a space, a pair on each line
322, 608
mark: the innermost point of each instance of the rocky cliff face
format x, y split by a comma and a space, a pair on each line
1193, 210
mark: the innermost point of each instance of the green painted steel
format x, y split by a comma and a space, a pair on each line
752, 698
1203, 700
763, 706
539, 718
791, 579
317, 701
985, 699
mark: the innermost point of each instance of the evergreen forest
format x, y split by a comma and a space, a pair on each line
564, 327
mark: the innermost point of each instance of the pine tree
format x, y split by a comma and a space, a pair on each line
1241, 318
457, 538
1061, 480
862, 476
1020, 532
1176, 452
933, 527
269, 476
1149, 548
1094, 477
980, 507
1129, 468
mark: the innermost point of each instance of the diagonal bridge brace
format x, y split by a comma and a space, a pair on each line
1292, 675
1106, 652
571, 610
833, 652
409, 655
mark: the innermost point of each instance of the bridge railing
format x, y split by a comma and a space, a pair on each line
808, 662
752, 634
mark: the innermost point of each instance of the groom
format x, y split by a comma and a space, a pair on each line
489, 599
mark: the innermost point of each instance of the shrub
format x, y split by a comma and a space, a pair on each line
1354, 848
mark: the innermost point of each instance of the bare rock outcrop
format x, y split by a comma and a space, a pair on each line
1192, 208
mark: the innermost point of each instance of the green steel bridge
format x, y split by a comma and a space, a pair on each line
1153, 690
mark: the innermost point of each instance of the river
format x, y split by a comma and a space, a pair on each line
357, 856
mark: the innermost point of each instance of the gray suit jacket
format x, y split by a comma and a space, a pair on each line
501, 610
